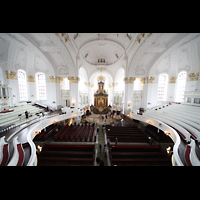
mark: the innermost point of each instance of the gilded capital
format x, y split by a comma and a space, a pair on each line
60, 80
129, 80
150, 79
30, 78
194, 76
11, 75
53, 79
73, 79
172, 79
142, 80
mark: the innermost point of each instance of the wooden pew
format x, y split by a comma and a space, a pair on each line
66, 155
4, 151
18, 155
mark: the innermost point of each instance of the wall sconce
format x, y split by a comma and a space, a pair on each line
149, 122
13, 95
169, 150
129, 103
32, 95
122, 103
73, 103
166, 133
53, 102
39, 148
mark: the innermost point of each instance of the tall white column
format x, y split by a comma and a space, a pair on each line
74, 93
128, 94
144, 94
1, 91
6, 91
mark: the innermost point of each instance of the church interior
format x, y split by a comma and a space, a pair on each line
99, 99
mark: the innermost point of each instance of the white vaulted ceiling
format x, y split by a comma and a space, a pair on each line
63, 54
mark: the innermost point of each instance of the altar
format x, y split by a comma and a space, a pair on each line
101, 99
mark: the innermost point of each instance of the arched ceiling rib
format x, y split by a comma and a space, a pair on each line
65, 53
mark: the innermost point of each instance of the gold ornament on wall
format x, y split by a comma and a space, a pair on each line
150, 79
129, 80
142, 80
73, 79
194, 76
60, 80
53, 79
11, 75
101, 68
30, 78
101, 78
172, 79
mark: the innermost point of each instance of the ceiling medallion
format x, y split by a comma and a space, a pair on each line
102, 36
101, 43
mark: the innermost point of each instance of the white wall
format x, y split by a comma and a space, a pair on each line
171, 95
152, 93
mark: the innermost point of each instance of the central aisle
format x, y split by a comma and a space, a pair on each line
101, 140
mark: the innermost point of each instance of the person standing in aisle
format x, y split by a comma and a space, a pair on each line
98, 160
26, 113
100, 146
104, 146
43, 112
108, 142
101, 162
116, 140
105, 150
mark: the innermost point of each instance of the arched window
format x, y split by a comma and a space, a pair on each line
181, 86
41, 86
22, 85
66, 85
82, 83
137, 84
120, 80
162, 87
120, 86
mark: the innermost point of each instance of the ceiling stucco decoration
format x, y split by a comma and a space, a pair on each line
95, 50
140, 72
20, 62
175, 44
184, 63
63, 71
47, 52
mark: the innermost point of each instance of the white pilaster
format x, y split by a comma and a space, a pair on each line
128, 98
74, 94
144, 94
